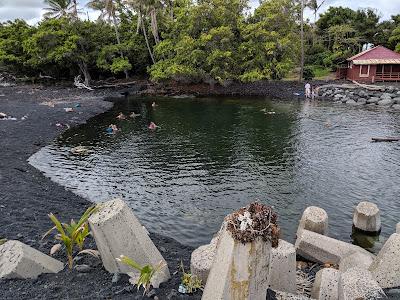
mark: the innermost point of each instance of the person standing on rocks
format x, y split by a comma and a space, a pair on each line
307, 88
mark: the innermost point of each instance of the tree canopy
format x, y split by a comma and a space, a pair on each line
191, 41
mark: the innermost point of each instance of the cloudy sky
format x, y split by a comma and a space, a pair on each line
31, 10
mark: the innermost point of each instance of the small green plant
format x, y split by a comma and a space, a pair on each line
146, 272
2, 241
190, 283
71, 235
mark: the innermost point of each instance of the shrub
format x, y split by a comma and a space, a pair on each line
308, 73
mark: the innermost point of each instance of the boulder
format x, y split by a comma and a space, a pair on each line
118, 232
397, 100
386, 266
357, 283
18, 260
385, 102
282, 268
360, 260
314, 219
373, 100
351, 102
326, 284
396, 106
239, 271
367, 217
361, 101
322, 249
387, 96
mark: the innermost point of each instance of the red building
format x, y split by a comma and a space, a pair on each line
373, 65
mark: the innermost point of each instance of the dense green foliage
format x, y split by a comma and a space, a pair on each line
203, 41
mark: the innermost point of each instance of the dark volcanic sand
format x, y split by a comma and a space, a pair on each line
26, 197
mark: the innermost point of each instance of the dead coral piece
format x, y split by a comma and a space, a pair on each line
252, 221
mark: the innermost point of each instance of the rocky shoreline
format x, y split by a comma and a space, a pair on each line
387, 97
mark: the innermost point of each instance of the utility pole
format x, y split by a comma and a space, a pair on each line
302, 40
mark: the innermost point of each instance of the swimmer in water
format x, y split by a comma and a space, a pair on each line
153, 126
121, 116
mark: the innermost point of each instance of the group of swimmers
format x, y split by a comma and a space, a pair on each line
112, 128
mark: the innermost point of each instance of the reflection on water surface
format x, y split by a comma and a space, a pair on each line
212, 156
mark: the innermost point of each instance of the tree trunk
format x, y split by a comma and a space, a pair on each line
85, 71
75, 9
154, 25
146, 38
302, 41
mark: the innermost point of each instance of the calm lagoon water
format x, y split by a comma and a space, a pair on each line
212, 156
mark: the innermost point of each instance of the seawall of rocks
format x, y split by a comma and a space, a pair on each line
386, 97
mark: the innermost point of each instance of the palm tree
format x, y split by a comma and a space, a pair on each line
108, 10
57, 8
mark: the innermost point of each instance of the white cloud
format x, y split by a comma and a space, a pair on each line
32, 10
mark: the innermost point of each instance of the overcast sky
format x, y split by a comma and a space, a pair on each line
31, 10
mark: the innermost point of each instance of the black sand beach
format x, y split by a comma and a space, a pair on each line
26, 197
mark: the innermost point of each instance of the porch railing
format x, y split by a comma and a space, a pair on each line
387, 76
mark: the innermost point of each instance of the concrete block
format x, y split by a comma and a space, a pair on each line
357, 283
355, 260
18, 260
398, 228
239, 271
386, 266
322, 249
326, 284
117, 232
288, 296
314, 219
202, 258
367, 217
282, 268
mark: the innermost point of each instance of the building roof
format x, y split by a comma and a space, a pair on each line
376, 56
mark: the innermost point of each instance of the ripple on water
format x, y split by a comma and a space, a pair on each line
211, 157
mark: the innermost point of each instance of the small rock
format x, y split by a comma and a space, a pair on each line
361, 101
396, 106
115, 278
386, 96
162, 249
385, 102
83, 268
397, 100
373, 100
152, 293
172, 294
351, 102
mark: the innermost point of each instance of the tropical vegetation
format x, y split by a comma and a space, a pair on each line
190, 41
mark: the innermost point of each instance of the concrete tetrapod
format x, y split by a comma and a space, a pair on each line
322, 249
117, 232
239, 271
282, 268
326, 284
314, 219
386, 266
358, 283
367, 217
18, 260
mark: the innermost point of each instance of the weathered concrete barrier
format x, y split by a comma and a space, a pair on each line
18, 260
314, 219
202, 259
357, 283
118, 232
357, 259
320, 248
326, 284
367, 217
282, 268
241, 265
386, 266
239, 271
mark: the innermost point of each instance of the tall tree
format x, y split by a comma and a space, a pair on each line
301, 40
57, 8
108, 8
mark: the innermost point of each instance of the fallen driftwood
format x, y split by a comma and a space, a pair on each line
114, 85
369, 87
80, 85
385, 139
